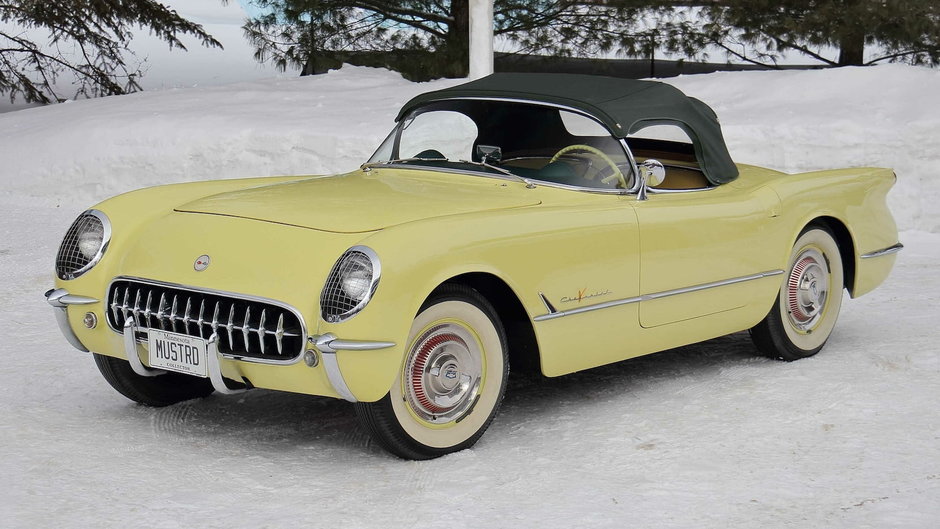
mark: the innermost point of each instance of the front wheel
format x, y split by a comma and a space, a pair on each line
808, 304
451, 382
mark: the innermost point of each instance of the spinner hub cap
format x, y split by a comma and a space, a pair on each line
444, 373
807, 290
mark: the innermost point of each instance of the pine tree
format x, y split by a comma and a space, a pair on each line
314, 35
425, 39
899, 30
86, 40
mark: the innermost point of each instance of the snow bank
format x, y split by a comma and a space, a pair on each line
794, 121
88, 150
707, 435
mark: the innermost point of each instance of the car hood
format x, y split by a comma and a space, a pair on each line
365, 201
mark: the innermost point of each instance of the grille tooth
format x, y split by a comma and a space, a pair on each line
127, 299
173, 313
279, 333
186, 313
115, 307
200, 321
246, 329
215, 318
229, 326
261, 329
278, 329
160, 308
147, 307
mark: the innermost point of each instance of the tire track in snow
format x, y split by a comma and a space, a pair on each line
171, 421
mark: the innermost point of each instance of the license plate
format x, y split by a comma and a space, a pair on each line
177, 352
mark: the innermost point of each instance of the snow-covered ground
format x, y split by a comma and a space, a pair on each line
703, 436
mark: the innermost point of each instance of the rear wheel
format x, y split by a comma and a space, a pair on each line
808, 304
451, 382
158, 391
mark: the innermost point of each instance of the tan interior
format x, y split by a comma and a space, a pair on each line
681, 171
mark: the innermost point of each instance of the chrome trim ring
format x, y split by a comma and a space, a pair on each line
333, 286
69, 246
443, 373
807, 289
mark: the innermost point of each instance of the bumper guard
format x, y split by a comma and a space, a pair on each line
328, 344
212, 351
60, 299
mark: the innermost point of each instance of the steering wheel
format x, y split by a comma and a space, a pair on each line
616, 175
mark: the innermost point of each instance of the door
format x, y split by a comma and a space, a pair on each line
701, 251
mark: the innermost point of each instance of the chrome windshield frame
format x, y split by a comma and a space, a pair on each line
396, 132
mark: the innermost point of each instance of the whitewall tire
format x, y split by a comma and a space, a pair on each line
809, 300
451, 381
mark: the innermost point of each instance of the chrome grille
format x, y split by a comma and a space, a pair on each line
245, 327
71, 262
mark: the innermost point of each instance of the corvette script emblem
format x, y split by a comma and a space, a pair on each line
583, 294
202, 262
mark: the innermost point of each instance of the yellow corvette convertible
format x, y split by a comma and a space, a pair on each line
555, 221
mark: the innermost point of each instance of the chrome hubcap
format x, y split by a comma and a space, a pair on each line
807, 290
444, 373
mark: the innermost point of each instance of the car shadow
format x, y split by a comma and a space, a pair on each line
637, 375
277, 422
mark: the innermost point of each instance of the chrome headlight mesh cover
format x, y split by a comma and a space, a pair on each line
350, 285
83, 245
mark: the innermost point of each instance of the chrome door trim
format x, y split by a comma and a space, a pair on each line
657, 295
884, 251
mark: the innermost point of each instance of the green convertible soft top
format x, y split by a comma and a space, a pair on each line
624, 105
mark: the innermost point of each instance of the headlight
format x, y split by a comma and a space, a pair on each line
350, 285
83, 245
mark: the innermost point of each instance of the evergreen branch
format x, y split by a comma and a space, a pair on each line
906, 53
802, 49
743, 57
396, 8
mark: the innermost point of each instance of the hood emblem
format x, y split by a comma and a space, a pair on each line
202, 262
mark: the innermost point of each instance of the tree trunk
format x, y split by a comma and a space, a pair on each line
851, 35
852, 49
457, 54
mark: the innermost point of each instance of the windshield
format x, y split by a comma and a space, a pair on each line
533, 143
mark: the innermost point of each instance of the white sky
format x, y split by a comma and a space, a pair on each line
201, 66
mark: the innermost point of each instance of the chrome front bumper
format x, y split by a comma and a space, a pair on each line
327, 345
60, 299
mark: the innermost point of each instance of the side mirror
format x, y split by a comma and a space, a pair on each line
652, 174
